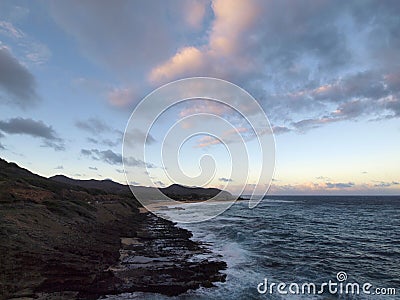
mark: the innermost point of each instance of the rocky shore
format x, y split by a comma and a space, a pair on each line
163, 259
59, 241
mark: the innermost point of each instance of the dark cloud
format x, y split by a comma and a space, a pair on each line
97, 127
223, 179
93, 125
1, 145
112, 158
159, 183
386, 184
16, 81
339, 185
107, 156
59, 168
120, 171
280, 129
37, 129
56, 145
29, 127
393, 105
105, 142
86, 152
133, 162
135, 135
93, 168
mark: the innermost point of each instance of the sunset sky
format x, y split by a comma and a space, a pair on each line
326, 73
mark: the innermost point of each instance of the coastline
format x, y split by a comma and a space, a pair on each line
63, 241
119, 250
163, 259
60, 241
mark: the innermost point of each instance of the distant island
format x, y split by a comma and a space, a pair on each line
62, 238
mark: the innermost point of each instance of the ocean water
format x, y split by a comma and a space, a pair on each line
296, 240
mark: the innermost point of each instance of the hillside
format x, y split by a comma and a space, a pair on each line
50, 232
59, 240
105, 185
174, 191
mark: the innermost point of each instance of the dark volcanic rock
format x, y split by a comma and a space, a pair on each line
163, 259
66, 242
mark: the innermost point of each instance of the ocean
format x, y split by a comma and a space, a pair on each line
352, 242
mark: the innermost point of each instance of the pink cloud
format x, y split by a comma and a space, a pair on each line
121, 97
228, 136
184, 60
205, 106
10, 30
233, 18
195, 11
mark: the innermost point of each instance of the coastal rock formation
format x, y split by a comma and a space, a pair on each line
60, 241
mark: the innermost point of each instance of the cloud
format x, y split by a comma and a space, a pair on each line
37, 53
340, 188
128, 45
122, 97
228, 32
322, 63
384, 184
8, 29
112, 158
325, 62
136, 135
194, 12
93, 168
105, 142
93, 125
324, 178
107, 156
1, 145
280, 129
339, 185
16, 81
29, 127
133, 162
223, 179
33, 51
159, 183
36, 129
185, 60
236, 135
59, 168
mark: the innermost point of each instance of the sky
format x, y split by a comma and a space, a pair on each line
326, 74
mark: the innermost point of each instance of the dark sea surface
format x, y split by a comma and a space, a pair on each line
301, 239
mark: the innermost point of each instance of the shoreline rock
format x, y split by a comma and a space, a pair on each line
59, 241
163, 259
